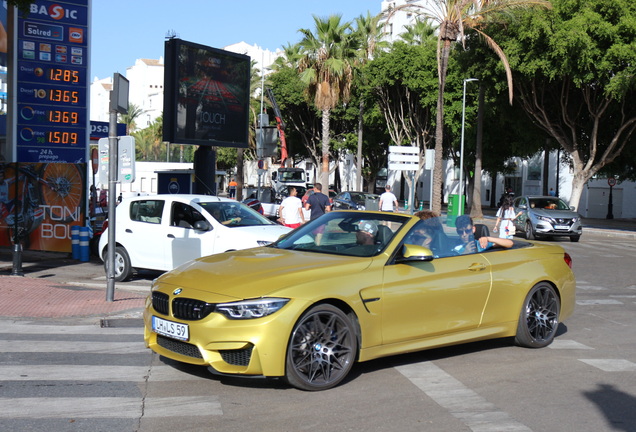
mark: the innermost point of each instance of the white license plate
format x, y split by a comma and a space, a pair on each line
170, 328
561, 227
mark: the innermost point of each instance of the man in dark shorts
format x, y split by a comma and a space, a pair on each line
317, 203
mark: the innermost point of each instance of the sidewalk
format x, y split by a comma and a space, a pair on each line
56, 286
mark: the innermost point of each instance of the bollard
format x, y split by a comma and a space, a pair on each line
75, 251
83, 244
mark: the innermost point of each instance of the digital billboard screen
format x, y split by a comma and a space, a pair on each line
206, 99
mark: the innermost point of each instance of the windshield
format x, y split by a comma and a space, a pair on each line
548, 204
289, 176
345, 233
234, 214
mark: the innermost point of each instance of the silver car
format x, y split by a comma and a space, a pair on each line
546, 216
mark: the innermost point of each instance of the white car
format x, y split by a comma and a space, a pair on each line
162, 232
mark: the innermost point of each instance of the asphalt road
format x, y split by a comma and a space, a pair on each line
70, 375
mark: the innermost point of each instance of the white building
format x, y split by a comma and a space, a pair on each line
400, 19
146, 89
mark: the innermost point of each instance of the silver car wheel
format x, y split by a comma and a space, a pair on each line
321, 350
539, 318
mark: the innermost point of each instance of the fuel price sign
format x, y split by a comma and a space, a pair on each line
52, 120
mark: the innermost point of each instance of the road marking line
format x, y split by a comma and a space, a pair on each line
21, 327
598, 302
463, 403
590, 287
611, 365
35, 346
92, 373
568, 344
109, 407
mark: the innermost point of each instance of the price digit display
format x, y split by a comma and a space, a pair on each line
57, 95
64, 75
57, 116
57, 137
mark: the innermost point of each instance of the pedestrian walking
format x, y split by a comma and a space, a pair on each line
505, 217
388, 201
291, 210
232, 188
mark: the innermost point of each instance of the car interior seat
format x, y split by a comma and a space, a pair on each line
384, 235
481, 230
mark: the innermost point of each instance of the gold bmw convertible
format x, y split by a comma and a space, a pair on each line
354, 286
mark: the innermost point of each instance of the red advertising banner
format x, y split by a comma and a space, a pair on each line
40, 202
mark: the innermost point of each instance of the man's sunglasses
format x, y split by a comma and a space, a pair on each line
464, 230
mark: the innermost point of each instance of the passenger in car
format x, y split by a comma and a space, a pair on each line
365, 239
440, 244
466, 231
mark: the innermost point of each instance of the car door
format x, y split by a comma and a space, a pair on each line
427, 299
142, 233
184, 242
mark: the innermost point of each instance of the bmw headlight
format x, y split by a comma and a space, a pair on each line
248, 309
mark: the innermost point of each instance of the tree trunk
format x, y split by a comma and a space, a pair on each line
359, 155
578, 183
475, 208
436, 205
324, 178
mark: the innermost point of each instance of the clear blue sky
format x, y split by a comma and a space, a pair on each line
126, 30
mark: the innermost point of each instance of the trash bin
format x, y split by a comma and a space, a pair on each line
372, 203
454, 209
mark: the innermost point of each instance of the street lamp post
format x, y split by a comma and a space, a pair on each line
461, 151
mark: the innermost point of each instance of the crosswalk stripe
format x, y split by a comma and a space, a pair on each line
91, 373
109, 407
463, 403
10, 327
31, 346
611, 365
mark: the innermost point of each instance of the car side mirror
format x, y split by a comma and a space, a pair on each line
414, 253
523, 207
202, 225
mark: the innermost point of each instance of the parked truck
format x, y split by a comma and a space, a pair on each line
281, 179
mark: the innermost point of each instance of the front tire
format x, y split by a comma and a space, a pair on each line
322, 349
539, 317
123, 268
529, 232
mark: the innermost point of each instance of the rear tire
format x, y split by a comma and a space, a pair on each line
539, 317
123, 268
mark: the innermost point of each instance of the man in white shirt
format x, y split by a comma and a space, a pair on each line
388, 201
291, 210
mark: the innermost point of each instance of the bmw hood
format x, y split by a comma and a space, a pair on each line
257, 272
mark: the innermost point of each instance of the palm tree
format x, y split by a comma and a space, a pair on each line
370, 34
418, 33
134, 112
327, 68
453, 17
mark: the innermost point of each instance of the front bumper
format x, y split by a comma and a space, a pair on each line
546, 228
236, 347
